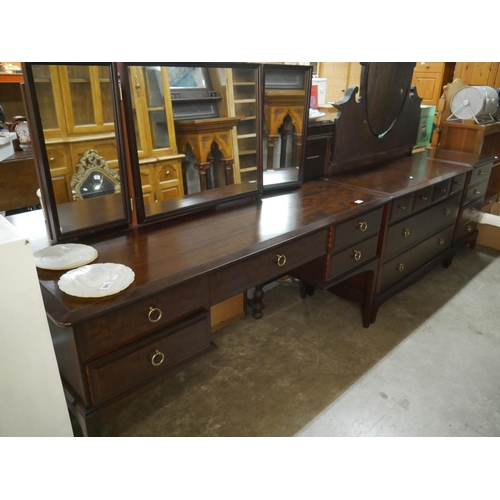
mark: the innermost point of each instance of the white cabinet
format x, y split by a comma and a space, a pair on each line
31, 393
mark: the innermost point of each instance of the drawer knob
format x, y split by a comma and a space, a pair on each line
167, 172
447, 211
482, 172
52, 158
424, 198
405, 232
458, 183
154, 314
157, 358
356, 255
444, 190
476, 191
473, 210
402, 207
440, 241
400, 267
469, 229
362, 226
280, 260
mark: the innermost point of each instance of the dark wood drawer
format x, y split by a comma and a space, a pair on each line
471, 211
266, 266
408, 232
423, 198
111, 331
441, 190
465, 229
401, 207
357, 229
402, 266
352, 257
112, 375
458, 183
480, 174
476, 192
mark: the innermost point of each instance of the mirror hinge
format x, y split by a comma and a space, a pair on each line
131, 204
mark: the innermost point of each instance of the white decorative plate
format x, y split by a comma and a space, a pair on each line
65, 256
96, 280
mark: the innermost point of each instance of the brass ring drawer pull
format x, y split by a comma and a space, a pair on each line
440, 241
356, 254
482, 172
280, 260
400, 267
473, 210
469, 229
476, 191
447, 211
158, 358
154, 314
458, 183
406, 232
444, 190
362, 226
424, 198
402, 207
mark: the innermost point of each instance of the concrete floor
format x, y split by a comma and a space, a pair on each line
427, 367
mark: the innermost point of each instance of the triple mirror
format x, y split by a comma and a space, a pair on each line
191, 135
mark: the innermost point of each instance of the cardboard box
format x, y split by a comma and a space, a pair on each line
489, 227
6, 146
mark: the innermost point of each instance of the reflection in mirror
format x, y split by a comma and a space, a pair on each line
196, 134
77, 146
286, 106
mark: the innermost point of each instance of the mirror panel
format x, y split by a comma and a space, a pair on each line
77, 146
385, 88
286, 112
193, 133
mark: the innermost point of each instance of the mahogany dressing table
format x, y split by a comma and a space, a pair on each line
349, 232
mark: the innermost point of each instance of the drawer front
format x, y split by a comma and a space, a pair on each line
423, 198
266, 266
357, 229
441, 190
476, 192
465, 229
352, 257
429, 67
402, 266
123, 326
480, 174
114, 374
401, 207
407, 232
471, 212
458, 183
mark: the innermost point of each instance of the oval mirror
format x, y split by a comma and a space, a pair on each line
385, 87
77, 146
193, 131
286, 111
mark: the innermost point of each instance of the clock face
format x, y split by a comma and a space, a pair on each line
23, 134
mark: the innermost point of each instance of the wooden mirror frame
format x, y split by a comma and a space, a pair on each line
176, 207
86, 221
282, 106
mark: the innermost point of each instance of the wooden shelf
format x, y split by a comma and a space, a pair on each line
11, 78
